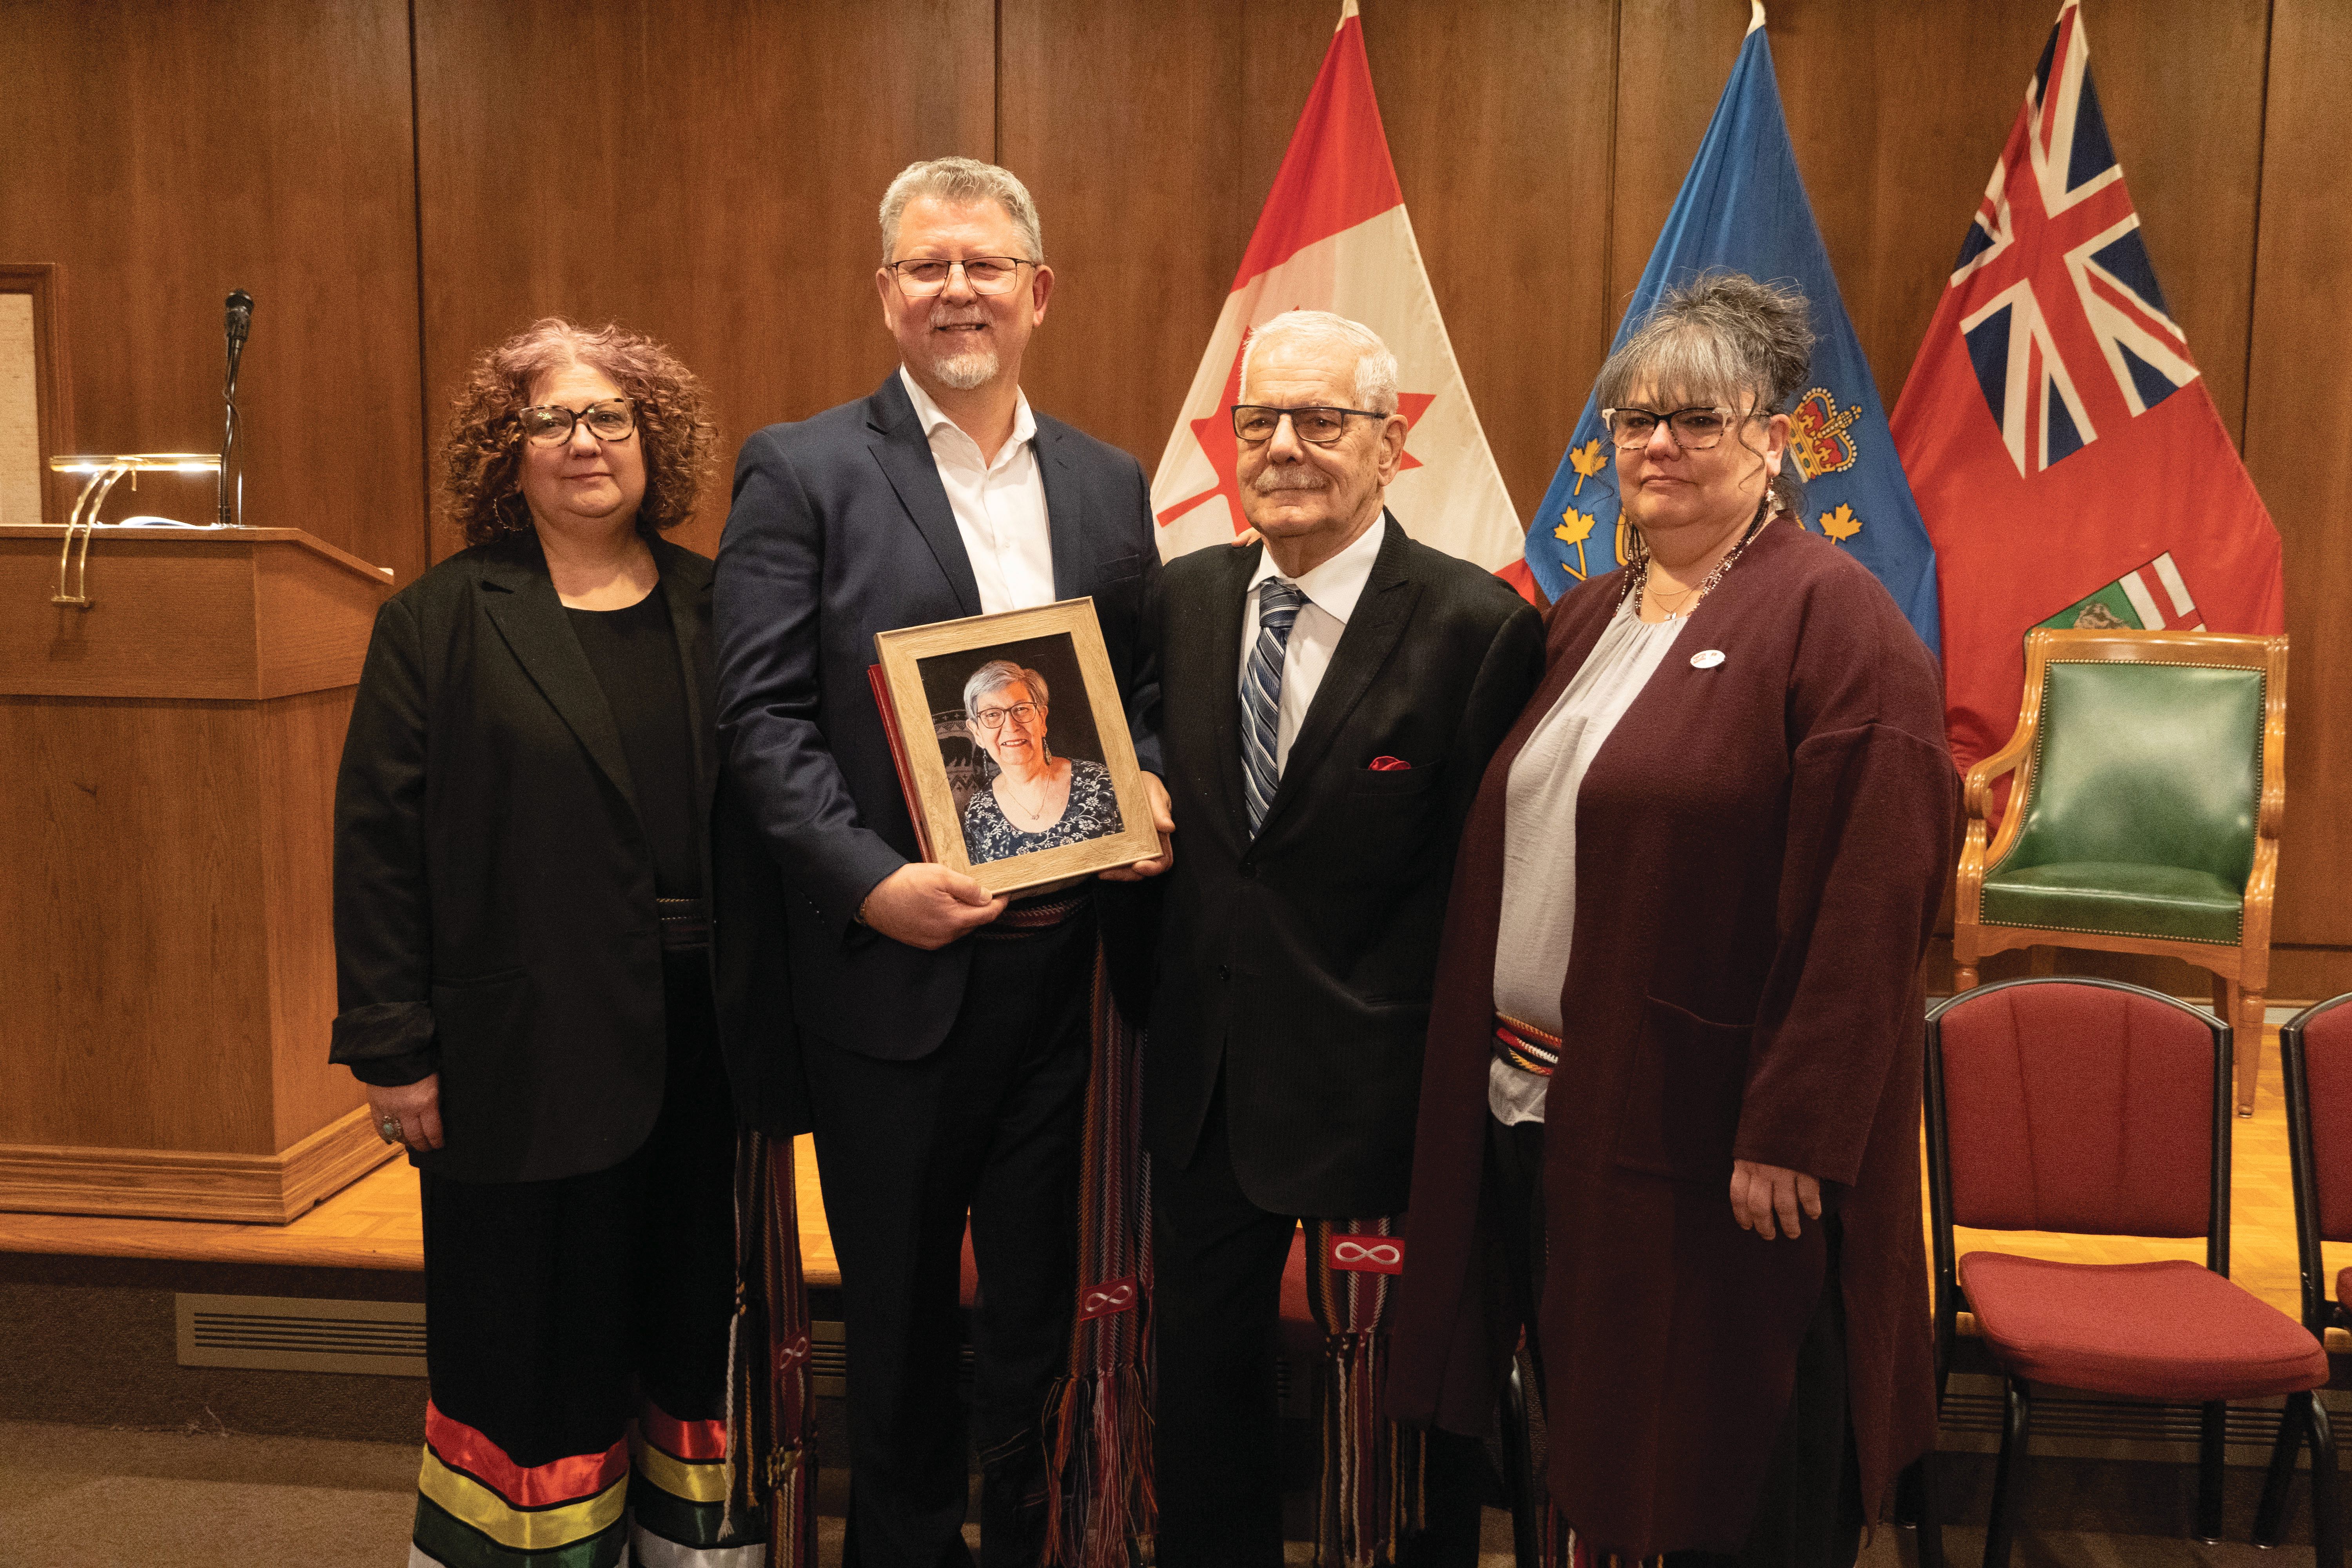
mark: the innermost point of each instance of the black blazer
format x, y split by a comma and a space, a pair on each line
841, 529
494, 894
1300, 963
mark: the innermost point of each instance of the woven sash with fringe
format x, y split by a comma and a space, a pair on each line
1372, 1489
1100, 1511
1525, 1047
771, 1470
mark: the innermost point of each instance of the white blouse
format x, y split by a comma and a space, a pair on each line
1539, 918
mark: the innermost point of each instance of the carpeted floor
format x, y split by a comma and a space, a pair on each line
83, 1497
87, 1496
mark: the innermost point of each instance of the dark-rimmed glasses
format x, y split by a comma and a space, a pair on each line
1694, 429
986, 274
1256, 423
552, 424
1021, 713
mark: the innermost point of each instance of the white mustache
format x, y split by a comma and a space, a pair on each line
944, 317
1290, 477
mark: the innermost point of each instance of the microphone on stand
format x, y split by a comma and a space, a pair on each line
239, 325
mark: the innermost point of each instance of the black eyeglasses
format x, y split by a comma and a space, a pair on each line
1693, 429
986, 274
1256, 423
552, 424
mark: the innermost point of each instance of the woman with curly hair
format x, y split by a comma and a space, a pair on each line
523, 948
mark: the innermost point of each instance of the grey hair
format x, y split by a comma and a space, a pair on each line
961, 182
995, 676
1722, 337
1376, 367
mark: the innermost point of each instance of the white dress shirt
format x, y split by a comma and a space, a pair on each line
1000, 507
1331, 590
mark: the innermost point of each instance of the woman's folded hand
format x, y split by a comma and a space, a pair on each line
1766, 1199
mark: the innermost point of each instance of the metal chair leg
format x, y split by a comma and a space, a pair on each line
2271, 1514
2006, 1476
2210, 1428
1918, 1502
2326, 1523
1518, 1472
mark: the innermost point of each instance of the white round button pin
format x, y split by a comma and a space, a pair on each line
1706, 658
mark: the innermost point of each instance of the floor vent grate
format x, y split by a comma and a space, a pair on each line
2091, 1426
281, 1333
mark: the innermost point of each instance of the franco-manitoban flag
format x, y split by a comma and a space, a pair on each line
1334, 236
2064, 449
1743, 208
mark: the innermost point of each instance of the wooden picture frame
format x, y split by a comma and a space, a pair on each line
947, 765
35, 392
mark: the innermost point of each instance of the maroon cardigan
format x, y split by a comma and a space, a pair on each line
1761, 848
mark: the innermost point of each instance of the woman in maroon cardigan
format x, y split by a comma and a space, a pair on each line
1669, 1118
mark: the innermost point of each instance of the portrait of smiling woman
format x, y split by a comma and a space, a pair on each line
522, 940
1037, 800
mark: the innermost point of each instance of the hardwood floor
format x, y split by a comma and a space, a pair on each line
372, 1223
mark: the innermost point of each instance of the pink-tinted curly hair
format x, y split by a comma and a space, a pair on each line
481, 461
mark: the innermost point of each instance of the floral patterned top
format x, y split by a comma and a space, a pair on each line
1092, 812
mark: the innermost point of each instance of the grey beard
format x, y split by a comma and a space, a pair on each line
974, 368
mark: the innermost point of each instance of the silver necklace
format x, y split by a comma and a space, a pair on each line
1766, 512
1033, 812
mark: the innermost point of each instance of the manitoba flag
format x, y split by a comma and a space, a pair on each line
2065, 451
1334, 236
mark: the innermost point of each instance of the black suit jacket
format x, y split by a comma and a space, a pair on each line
1299, 963
494, 893
841, 529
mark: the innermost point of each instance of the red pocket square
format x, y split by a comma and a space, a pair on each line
1389, 765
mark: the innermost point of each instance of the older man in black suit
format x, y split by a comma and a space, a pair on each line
1330, 700
945, 1060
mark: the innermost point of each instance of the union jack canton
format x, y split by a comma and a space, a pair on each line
2059, 307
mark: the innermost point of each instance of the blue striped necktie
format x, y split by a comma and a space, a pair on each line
1277, 607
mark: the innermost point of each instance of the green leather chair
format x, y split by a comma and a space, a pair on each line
2149, 782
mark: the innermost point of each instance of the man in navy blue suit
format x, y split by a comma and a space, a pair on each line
945, 1054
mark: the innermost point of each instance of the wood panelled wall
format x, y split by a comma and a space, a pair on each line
402, 182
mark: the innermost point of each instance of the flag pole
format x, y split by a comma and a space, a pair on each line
1755, 14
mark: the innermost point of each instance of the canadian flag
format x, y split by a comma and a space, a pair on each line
1334, 236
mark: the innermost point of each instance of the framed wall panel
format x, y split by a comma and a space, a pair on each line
36, 399
706, 172
2298, 409
164, 155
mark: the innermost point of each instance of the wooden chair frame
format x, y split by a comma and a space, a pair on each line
2241, 974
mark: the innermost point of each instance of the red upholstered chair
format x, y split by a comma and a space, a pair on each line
2103, 1108
2316, 1050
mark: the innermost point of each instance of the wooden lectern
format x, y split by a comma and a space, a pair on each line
167, 775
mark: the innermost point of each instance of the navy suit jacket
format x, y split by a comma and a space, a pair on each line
841, 529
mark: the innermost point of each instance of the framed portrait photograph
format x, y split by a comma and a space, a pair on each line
1016, 755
